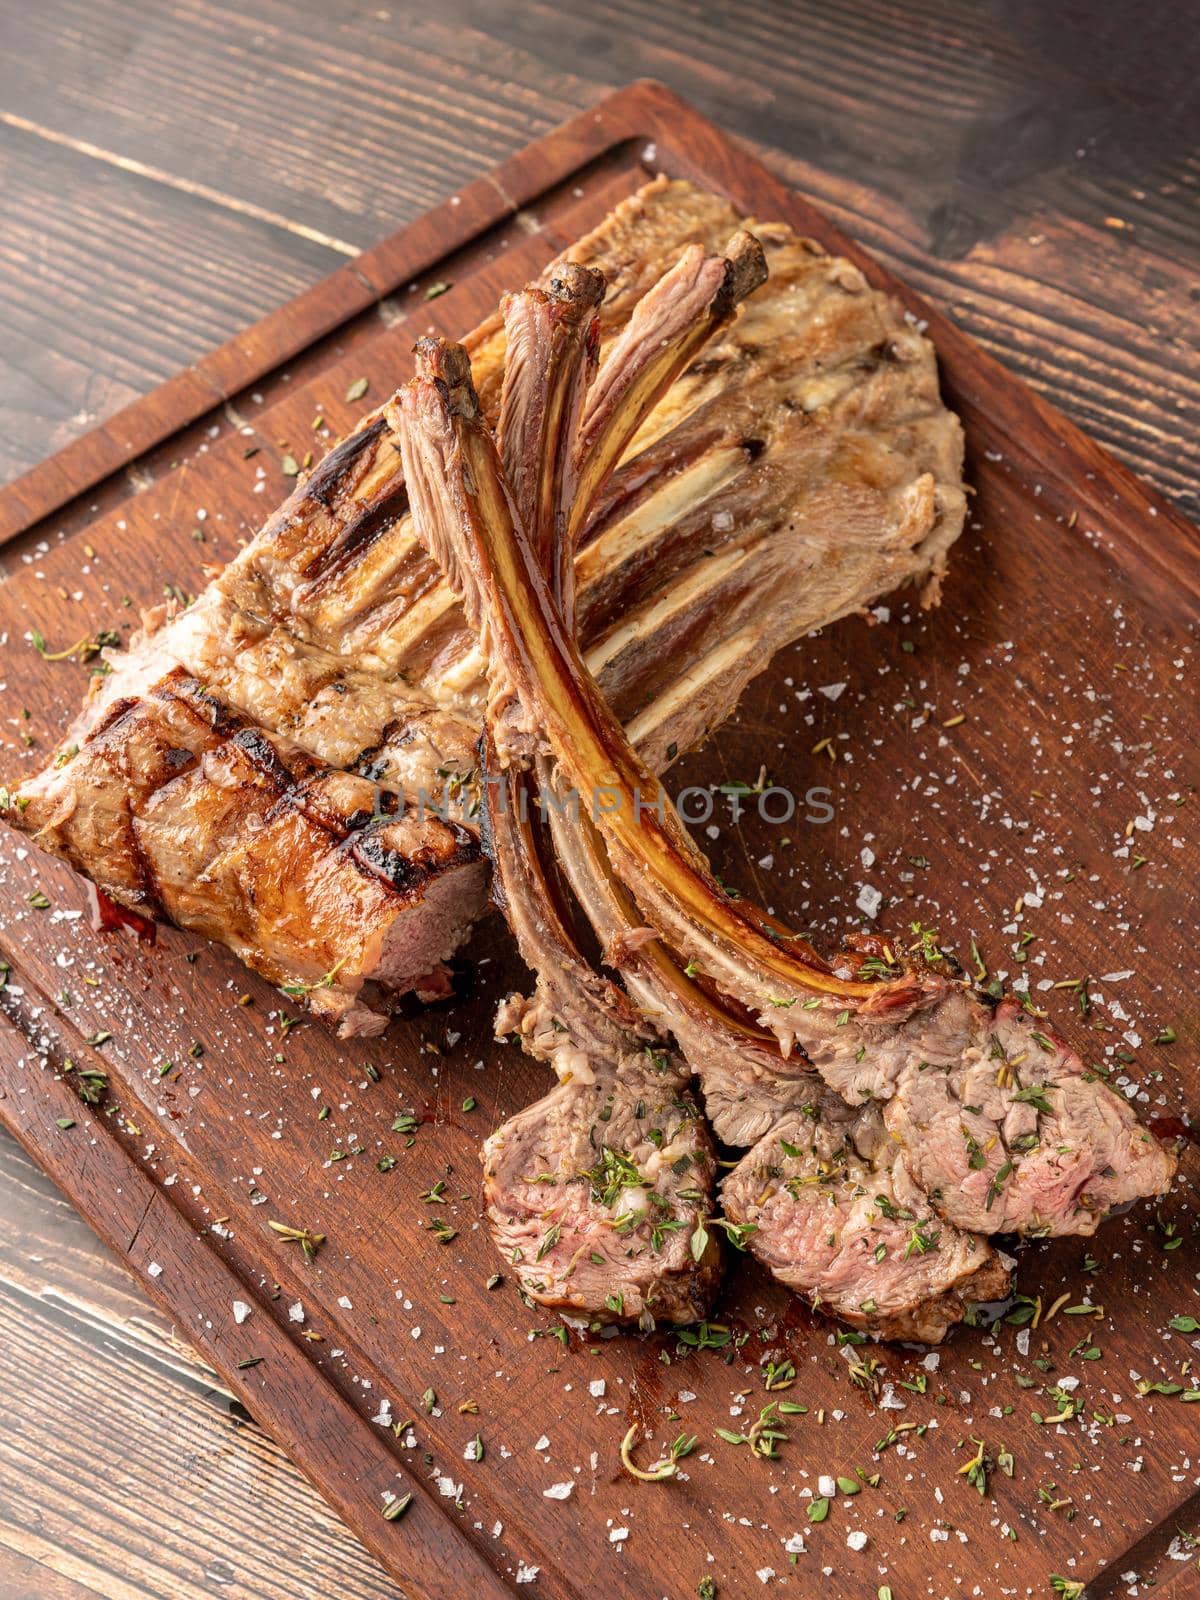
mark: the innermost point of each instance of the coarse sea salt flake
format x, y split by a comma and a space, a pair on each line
558, 1491
240, 1311
869, 900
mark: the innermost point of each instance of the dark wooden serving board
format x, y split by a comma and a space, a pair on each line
1020, 762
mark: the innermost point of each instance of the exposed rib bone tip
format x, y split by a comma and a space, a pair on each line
747, 269
449, 366
572, 282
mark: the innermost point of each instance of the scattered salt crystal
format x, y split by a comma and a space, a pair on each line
856, 1540
541, 1444
618, 1535
765, 1574
869, 900
527, 1574
831, 691
558, 1491
240, 1311
597, 1388
826, 1486
154, 1270
296, 1312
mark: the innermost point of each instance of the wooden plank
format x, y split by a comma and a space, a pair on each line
87, 1344
931, 126
60, 213
319, 311
1002, 808
355, 1464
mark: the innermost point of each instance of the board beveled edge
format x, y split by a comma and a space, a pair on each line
184, 1274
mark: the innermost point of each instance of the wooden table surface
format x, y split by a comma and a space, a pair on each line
170, 172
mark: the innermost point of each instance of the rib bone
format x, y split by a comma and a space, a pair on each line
595, 1193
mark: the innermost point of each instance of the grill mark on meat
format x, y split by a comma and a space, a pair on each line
364, 529
408, 874
258, 749
331, 474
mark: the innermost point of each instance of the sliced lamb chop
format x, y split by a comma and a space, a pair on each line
837, 1217
595, 1193
824, 1199
868, 1040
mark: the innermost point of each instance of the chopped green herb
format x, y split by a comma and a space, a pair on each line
395, 1509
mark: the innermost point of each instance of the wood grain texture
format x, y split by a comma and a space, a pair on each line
111, 1416
1031, 166
1006, 814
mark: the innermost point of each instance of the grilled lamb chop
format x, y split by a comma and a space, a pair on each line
809, 443
312, 876
594, 1193
965, 1087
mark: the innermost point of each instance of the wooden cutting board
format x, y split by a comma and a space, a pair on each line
1016, 769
